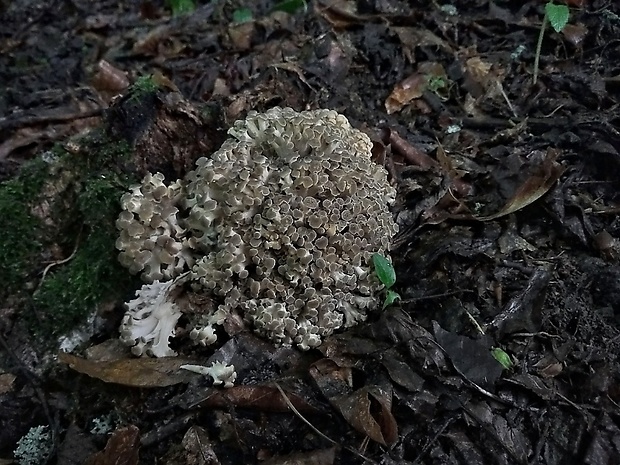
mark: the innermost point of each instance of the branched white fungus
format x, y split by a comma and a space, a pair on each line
150, 320
279, 224
221, 373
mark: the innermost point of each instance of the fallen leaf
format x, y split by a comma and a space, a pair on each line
534, 187
122, 448
405, 91
109, 78
471, 357
262, 398
198, 447
136, 372
368, 410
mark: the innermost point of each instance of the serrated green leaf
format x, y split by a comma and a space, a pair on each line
390, 298
290, 6
558, 15
502, 357
242, 15
384, 269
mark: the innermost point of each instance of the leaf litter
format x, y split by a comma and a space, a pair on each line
508, 202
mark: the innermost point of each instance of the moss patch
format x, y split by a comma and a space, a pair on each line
63, 213
23, 233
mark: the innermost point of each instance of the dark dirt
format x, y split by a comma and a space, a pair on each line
508, 202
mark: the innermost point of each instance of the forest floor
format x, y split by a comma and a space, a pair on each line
509, 245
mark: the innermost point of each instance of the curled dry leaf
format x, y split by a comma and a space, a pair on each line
413, 87
367, 410
534, 187
109, 78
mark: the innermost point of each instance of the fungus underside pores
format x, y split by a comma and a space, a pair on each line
279, 225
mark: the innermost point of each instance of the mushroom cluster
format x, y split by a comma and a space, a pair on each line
279, 225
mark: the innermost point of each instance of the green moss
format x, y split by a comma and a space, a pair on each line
143, 85
93, 276
21, 241
50, 210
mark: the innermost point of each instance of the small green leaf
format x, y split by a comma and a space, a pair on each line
502, 357
290, 6
384, 269
558, 15
390, 298
242, 15
181, 7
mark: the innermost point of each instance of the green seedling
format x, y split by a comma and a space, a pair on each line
291, 6
502, 357
242, 15
558, 16
387, 275
181, 7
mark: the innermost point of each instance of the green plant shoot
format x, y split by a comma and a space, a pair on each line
181, 7
558, 16
387, 275
390, 298
242, 15
384, 269
502, 357
290, 6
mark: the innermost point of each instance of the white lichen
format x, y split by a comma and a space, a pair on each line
35, 447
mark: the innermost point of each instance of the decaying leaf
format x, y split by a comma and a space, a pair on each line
263, 398
471, 357
534, 187
198, 448
429, 76
136, 372
367, 410
122, 448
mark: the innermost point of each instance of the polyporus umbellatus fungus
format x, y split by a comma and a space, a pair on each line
279, 224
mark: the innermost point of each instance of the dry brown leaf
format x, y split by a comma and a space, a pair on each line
411, 88
412, 37
414, 86
534, 187
6, 382
263, 398
241, 35
575, 33
122, 448
368, 410
339, 13
109, 78
478, 69
198, 447
136, 372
